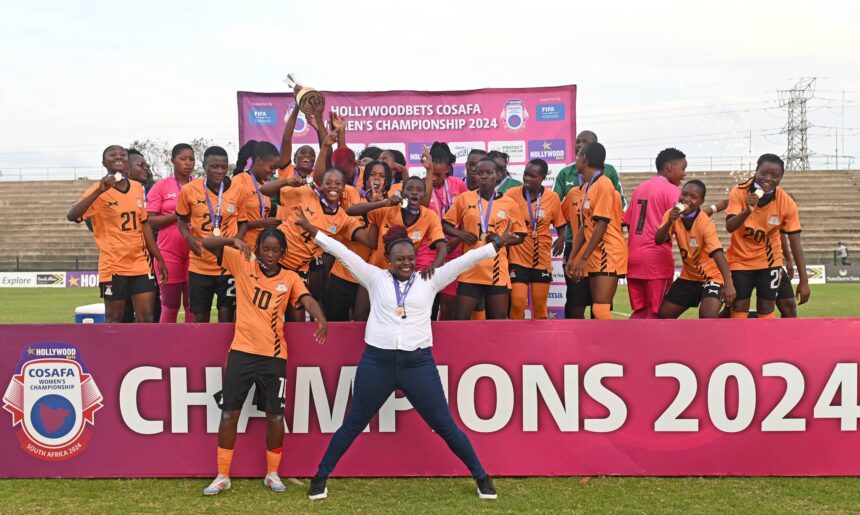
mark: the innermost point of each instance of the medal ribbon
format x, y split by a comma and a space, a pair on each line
443, 206
216, 219
259, 196
533, 214
485, 220
401, 296
323, 201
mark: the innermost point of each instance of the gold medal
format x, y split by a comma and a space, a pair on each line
534, 234
216, 232
483, 236
253, 256
118, 177
400, 311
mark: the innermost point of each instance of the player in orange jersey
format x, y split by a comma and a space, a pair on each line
482, 214
531, 262
422, 225
604, 259
258, 353
758, 212
705, 280
302, 164
126, 244
345, 298
258, 207
212, 206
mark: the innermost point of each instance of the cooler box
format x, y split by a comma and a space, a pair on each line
90, 314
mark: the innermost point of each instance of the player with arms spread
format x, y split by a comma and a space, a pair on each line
258, 353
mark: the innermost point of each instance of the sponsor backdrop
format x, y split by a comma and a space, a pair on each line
642, 397
842, 274
526, 123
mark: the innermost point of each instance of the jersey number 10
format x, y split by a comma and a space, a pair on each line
262, 298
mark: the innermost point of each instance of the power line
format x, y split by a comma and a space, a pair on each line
794, 100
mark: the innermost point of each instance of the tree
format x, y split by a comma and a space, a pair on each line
157, 154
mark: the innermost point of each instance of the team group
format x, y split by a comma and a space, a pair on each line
410, 250
357, 202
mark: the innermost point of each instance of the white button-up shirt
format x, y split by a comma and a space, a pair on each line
385, 328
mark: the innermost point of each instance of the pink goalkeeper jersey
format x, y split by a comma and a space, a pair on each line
645, 211
161, 200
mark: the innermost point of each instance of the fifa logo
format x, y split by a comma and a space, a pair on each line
53, 398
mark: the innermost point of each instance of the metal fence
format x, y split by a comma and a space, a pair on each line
47, 263
51, 173
622, 164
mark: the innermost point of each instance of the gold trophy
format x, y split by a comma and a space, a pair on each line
308, 99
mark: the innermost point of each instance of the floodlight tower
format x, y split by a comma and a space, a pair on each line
794, 100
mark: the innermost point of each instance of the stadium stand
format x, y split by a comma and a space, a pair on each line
35, 235
34, 232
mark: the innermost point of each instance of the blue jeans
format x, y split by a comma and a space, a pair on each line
379, 373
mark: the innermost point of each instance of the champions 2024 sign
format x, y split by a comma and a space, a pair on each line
565, 397
526, 123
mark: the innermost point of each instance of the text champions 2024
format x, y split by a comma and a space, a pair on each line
836, 400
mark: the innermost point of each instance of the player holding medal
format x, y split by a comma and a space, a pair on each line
214, 206
397, 355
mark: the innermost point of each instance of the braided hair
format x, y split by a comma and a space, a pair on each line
395, 236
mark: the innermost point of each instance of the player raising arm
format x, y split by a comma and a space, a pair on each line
705, 280
124, 238
258, 353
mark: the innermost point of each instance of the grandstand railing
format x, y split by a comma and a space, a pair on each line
47, 263
622, 164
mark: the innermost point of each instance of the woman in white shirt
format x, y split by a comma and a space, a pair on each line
397, 355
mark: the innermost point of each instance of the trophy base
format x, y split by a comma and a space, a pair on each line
309, 100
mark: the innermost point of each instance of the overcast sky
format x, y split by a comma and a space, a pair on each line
77, 76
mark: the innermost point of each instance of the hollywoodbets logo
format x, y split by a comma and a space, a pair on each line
548, 149
53, 399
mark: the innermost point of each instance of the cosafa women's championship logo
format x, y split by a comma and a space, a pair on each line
302, 125
53, 398
514, 115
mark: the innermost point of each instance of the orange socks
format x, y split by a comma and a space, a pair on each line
479, 315
540, 293
772, 314
273, 460
225, 457
601, 311
519, 298
741, 314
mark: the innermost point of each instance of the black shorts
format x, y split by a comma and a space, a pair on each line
479, 291
578, 292
316, 263
765, 282
120, 287
339, 298
521, 274
203, 287
785, 290
684, 292
267, 373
